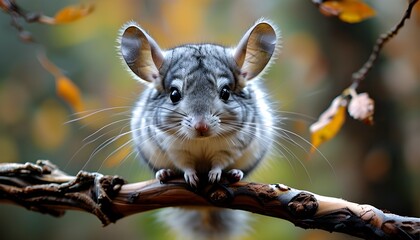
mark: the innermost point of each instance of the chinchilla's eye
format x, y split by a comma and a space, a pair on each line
225, 93
175, 95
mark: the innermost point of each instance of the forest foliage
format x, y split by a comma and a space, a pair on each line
60, 65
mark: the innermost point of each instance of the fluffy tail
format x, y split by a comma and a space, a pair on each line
205, 223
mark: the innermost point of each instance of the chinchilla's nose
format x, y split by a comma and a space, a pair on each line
200, 124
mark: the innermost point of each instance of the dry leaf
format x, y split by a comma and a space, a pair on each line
350, 11
72, 13
69, 92
65, 88
329, 123
361, 107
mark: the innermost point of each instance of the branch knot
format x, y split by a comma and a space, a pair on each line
303, 205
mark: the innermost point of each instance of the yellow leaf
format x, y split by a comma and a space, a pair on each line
72, 13
69, 92
329, 123
65, 88
350, 11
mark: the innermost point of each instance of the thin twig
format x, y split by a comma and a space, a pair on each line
360, 75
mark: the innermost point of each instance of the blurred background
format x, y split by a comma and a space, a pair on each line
378, 165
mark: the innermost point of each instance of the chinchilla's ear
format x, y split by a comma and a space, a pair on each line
256, 49
141, 53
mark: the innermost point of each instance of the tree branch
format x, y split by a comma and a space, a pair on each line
360, 75
44, 188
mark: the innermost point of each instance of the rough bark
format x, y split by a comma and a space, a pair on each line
44, 188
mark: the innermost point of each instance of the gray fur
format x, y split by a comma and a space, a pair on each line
202, 134
205, 224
